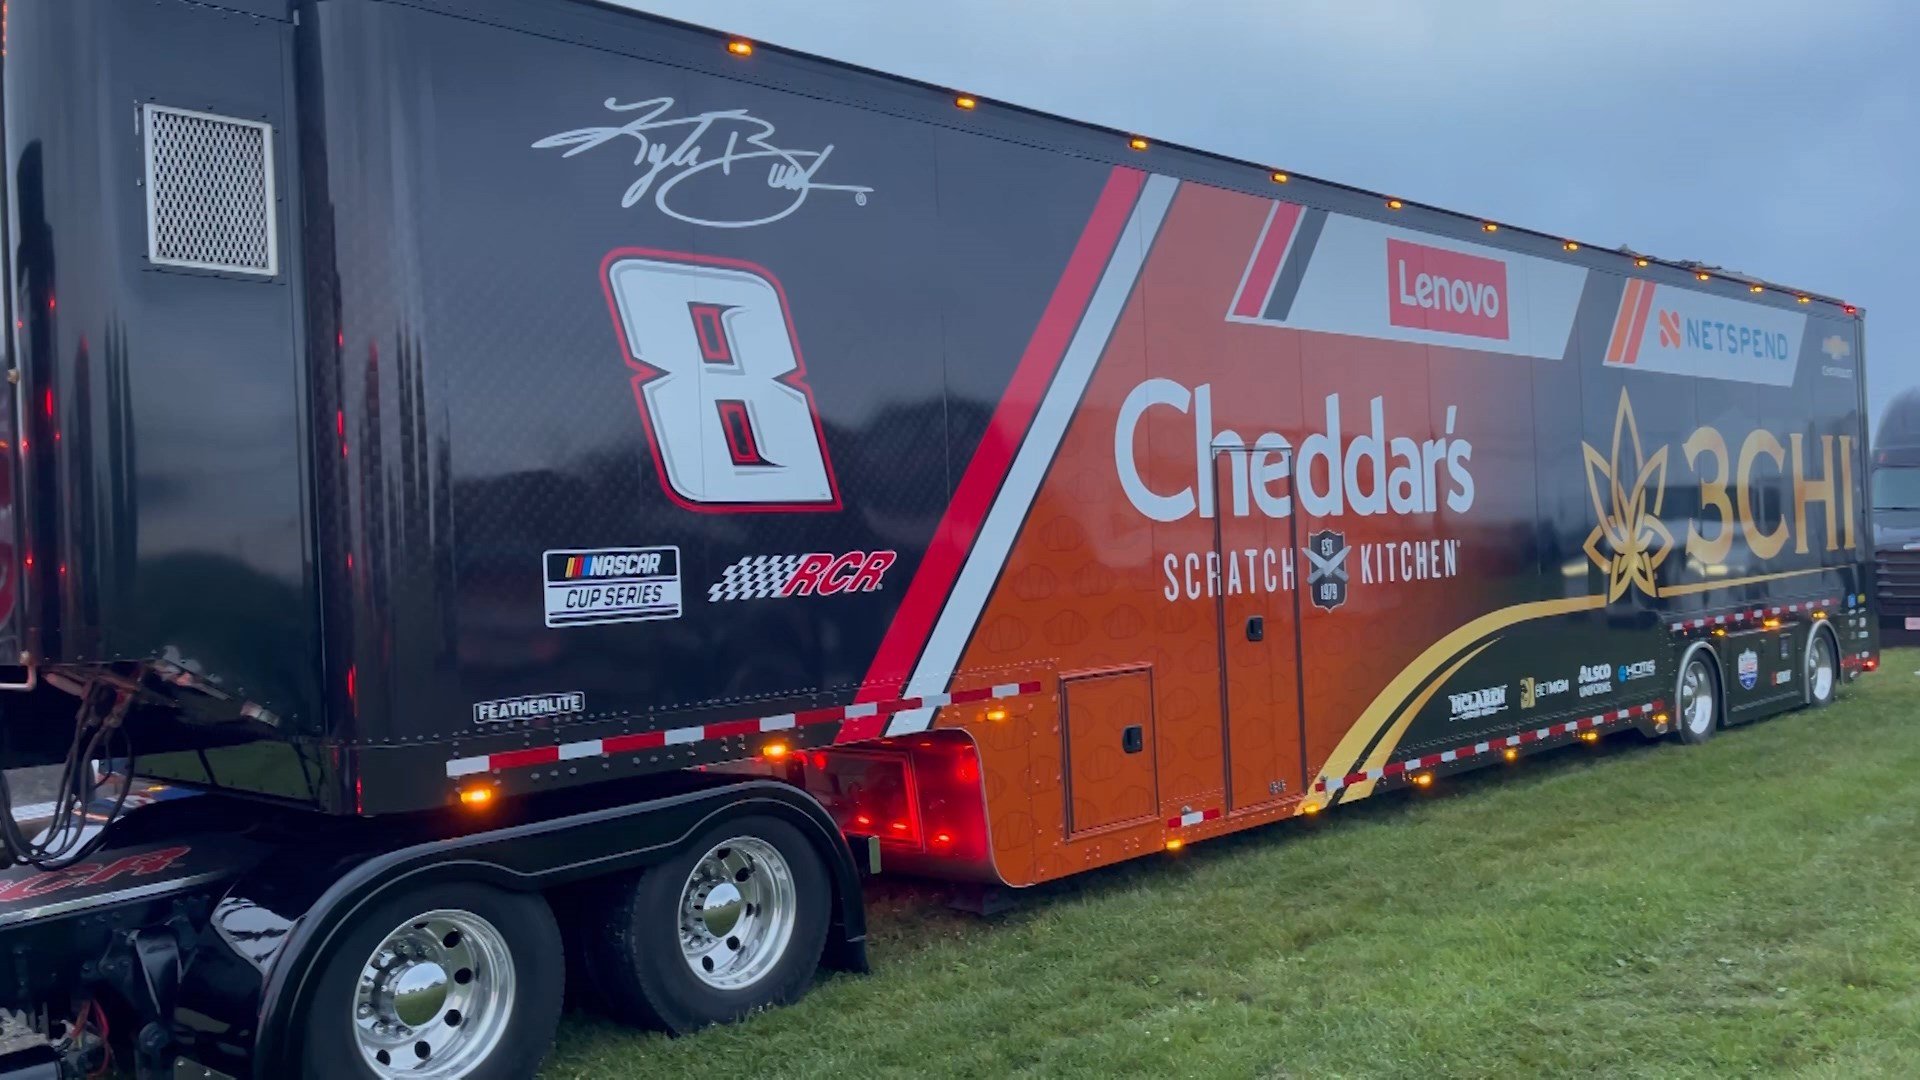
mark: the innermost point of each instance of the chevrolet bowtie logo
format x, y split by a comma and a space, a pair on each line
1630, 541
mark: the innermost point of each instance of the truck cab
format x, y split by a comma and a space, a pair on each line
1896, 513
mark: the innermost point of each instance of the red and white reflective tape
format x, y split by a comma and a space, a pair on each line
1461, 754
1755, 615
1193, 817
728, 729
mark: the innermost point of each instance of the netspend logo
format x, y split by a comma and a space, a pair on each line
1677, 331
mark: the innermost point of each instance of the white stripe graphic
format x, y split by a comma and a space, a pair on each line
957, 619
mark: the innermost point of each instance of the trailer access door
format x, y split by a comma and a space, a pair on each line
1262, 738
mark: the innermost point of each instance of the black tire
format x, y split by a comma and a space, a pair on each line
634, 952
1821, 637
329, 1050
1696, 725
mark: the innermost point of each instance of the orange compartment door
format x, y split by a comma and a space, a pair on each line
1258, 626
1108, 730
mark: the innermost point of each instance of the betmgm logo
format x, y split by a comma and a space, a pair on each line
1532, 690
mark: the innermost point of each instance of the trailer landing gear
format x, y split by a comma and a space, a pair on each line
735, 923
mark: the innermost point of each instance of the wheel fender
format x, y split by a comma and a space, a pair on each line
537, 855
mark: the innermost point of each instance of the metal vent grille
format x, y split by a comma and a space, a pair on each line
210, 202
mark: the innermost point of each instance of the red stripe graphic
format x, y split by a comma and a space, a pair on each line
947, 552
724, 729
1639, 327
1268, 253
1757, 614
1617, 345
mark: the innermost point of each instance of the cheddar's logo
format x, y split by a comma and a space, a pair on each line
1759, 498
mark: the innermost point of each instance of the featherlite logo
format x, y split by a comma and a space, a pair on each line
1628, 488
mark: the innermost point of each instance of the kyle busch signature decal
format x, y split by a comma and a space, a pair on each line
671, 150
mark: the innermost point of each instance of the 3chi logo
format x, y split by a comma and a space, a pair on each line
720, 383
1627, 497
1327, 553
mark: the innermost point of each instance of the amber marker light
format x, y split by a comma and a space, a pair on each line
476, 798
1424, 780
1642, 263
740, 47
775, 751
966, 102
1510, 754
1310, 808
997, 713
1395, 204
1704, 276
1278, 177
1571, 245
1489, 227
1803, 299
1756, 288
1137, 143
1176, 844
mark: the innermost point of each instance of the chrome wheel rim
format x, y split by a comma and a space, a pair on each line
434, 999
1696, 697
737, 913
1820, 667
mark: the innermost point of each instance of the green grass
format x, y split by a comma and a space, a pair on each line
1629, 909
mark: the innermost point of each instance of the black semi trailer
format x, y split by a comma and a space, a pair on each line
499, 487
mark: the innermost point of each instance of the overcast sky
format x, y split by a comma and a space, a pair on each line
1776, 137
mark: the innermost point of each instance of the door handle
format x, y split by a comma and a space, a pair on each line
1133, 739
1256, 628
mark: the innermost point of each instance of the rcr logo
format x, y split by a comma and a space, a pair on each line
1372, 473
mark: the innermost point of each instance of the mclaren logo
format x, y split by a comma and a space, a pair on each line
1628, 488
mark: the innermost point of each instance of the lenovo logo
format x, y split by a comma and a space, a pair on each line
1446, 291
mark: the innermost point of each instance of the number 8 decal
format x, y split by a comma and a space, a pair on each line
720, 383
